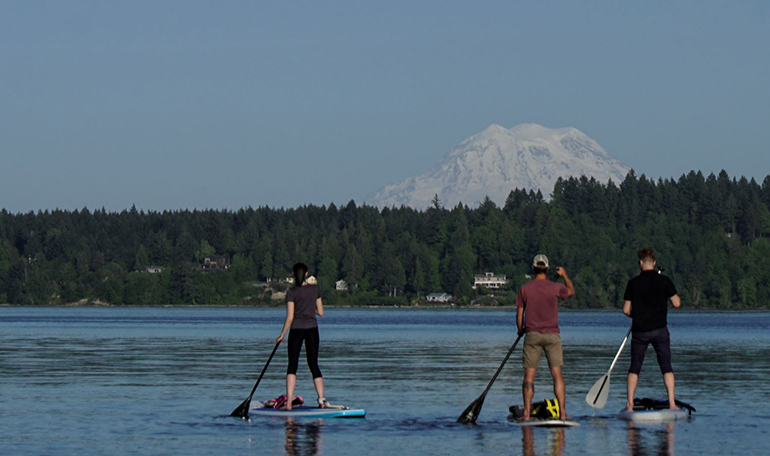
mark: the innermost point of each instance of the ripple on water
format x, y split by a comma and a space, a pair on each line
160, 381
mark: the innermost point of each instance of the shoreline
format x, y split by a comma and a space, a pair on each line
415, 308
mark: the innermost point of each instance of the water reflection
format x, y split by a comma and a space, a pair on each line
555, 442
136, 359
661, 443
303, 438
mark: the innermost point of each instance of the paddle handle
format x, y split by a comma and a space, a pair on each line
263, 371
620, 350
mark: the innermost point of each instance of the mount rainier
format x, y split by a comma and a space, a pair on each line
497, 160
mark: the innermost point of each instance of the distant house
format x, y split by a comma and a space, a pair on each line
439, 297
154, 269
311, 280
215, 263
341, 285
489, 280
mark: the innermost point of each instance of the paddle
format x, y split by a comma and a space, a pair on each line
471, 413
242, 410
597, 395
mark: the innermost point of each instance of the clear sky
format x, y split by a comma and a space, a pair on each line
189, 104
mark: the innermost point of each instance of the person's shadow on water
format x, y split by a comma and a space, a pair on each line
303, 438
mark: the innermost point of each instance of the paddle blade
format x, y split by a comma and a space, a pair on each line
471, 413
597, 395
242, 411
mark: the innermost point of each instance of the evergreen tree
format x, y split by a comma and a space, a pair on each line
206, 251
710, 233
327, 278
352, 266
391, 276
142, 259
266, 270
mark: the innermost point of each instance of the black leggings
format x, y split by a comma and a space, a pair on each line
310, 337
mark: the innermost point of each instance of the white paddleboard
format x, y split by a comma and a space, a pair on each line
310, 412
653, 416
537, 422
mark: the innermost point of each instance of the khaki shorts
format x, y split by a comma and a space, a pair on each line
535, 343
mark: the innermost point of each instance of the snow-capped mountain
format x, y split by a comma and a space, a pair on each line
497, 160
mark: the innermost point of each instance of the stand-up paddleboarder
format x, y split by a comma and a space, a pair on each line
303, 302
538, 301
646, 302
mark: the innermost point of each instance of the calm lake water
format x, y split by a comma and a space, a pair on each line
163, 380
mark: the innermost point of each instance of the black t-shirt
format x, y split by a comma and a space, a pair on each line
304, 298
649, 293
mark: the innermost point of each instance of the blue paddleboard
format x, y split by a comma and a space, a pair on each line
304, 411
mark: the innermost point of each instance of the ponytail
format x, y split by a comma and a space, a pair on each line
299, 271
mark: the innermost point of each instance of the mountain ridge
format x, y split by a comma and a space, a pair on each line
496, 160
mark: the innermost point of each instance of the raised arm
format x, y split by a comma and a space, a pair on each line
563, 273
287, 322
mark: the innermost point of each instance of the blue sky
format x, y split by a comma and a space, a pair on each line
170, 105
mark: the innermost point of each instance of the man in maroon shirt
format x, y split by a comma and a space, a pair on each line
538, 300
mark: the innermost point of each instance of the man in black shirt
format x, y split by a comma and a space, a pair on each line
646, 302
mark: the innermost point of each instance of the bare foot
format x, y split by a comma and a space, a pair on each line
525, 418
674, 407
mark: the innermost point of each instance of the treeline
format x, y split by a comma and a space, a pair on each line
712, 235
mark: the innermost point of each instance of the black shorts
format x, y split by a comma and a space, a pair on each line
661, 342
310, 338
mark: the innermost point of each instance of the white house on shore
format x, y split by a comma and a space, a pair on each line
311, 280
439, 297
341, 285
489, 280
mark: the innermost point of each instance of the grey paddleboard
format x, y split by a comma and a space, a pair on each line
653, 416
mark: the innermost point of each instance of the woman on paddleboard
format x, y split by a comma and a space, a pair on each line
303, 303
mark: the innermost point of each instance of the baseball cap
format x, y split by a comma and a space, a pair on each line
540, 261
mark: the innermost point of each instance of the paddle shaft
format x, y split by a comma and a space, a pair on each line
471, 413
606, 378
264, 369
620, 350
499, 369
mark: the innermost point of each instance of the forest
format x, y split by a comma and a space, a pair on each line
711, 234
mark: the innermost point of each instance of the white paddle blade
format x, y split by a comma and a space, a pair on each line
597, 395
